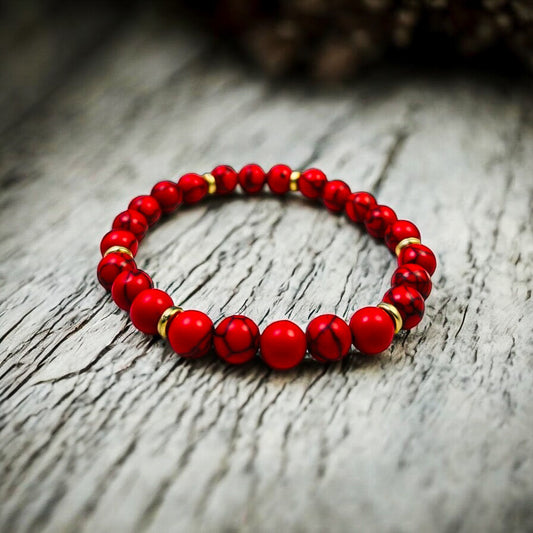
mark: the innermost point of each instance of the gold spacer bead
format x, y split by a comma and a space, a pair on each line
295, 176
406, 242
118, 250
394, 314
211, 183
167, 315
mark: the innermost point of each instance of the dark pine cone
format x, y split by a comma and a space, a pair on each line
334, 39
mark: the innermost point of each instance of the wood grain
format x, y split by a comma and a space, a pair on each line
104, 429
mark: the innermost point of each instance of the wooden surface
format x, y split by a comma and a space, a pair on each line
104, 429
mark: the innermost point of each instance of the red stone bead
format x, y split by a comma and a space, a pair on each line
283, 345
335, 195
279, 179
252, 178
147, 308
190, 334
414, 276
127, 285
225, 179
398, 231
119, 237
168, 195
132, 221
409, 303
419, 255
111, 266
312, 182
236, 339
328, 338
358, 205
372, 330
147, 206
378, 220
193, 187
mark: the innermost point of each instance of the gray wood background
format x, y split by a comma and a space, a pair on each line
104, 429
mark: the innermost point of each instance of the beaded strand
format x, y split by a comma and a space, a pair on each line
237, 339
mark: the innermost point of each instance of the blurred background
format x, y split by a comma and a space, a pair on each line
332, 40
321, 40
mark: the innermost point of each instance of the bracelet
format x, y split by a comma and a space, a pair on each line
282, 344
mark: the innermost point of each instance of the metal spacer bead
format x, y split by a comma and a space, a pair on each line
211, 183
406, 242
169, 313
295, 176
118, 250
394, 313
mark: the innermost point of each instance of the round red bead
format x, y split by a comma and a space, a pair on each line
127, 285
378, 219
419, 255
133, 221
335, 195
312, 182
279, 179
225, 179
252, 178
190, 334
414, 276
372, 330
147, 308
147, 206
236, 339
409, 303
328, 338
358, 205
283, 345
193, 187
168, 195
119, 237
111, 266
398, 231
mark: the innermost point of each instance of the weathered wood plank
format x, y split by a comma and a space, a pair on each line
42, 43
102, 428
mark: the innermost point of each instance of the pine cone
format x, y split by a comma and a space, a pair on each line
334, 39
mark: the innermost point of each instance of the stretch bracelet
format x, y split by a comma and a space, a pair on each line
282, 344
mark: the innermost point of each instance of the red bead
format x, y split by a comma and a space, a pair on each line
193, 187
414, 276
252, 178
419, 255
378, 220
312, 182
358, 205
168, 195
335, 195
279, 179
236, 339
225, 179
147, 308
190, 334
111, 266
328, 338
147, 206
132, 221
127, 285
119, 237
398, 231
372, 330
283, 345
409, 303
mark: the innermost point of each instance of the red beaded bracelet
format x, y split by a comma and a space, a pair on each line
236, 339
